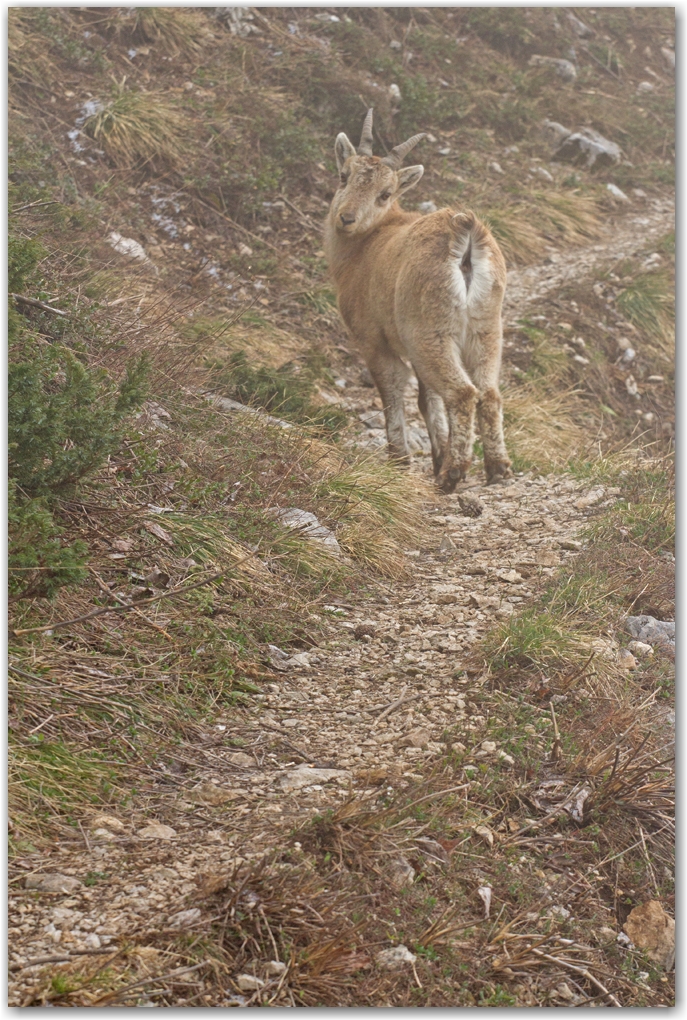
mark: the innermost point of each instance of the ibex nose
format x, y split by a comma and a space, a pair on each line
347, 218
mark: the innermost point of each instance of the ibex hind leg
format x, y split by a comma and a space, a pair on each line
460, 402
391, 376
432, 410
497, 464
490, 421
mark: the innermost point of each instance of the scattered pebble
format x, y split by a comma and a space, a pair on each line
54, 883
395, 958
156, 830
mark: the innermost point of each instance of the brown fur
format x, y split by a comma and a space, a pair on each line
425, 290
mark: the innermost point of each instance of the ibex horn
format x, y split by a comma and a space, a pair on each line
365, 147
399, 152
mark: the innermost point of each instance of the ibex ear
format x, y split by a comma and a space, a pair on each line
408, 177
343, 148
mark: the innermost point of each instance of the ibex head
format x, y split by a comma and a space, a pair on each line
369, 185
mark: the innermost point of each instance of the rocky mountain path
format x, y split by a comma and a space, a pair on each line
625, 236
369, 706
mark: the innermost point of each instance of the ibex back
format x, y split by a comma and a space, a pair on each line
424, 290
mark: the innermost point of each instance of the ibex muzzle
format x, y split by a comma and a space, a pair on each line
424, 290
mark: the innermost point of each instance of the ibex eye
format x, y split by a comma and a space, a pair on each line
385, 195
344, 179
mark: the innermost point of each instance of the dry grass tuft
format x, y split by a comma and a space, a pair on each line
379, 512
512, 227
574, 218
27, 60
649, 303
523, 230
288, 914
543, 429
137, 126
174, 28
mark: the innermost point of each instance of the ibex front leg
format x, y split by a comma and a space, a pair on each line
432, 409
391, 376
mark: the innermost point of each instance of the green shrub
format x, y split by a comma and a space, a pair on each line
23, 255
38, 560
63, 418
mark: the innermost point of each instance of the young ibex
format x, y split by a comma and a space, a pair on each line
425, 290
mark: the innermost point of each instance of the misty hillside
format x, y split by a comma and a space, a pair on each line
218, 581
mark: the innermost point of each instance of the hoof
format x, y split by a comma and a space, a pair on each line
447, 480
498, 471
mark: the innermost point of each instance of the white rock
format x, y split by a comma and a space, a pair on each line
668, 56
53, 883
553, 132
372, 419
395, 45
107, 822
226, 404
249, 982
299, 661
652, 631
617, 193
580, 359
640, 649
495, 167
395, 958
646, 86
426, 207
104, 834
447, 545
579, 27
156, 830
245, 250
308, 525
589, 147
275, 967
127, 246
303, 775
485, 832
184, 918
563, 68
394, 95
631, 386
488, 745
208, 793
629, 354
484, 893
418, 441
240, 758
418, 737
401, 873
92, 941
543, 172
592, 497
